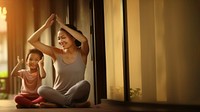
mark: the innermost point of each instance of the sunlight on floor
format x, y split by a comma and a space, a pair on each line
7, 104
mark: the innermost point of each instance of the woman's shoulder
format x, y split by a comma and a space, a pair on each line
57, 52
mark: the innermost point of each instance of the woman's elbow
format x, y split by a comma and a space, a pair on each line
32, 42
29, 41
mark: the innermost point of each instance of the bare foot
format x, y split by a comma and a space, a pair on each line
31, 106
35, 106
20, 106
48, 105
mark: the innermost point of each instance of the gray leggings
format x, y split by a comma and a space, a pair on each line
76, 94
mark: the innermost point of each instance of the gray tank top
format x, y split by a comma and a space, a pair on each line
68, 75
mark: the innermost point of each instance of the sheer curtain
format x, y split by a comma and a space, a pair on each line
16, 41
114, 48
167, 35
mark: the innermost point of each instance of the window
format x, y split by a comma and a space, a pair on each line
3, 52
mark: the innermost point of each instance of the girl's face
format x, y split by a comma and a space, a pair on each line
65, 40
32, 60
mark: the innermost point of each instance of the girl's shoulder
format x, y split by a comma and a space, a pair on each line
23, 70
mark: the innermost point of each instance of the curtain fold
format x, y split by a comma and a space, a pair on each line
16, 42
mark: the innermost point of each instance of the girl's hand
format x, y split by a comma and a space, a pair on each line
41, 62
19, 60
49, 21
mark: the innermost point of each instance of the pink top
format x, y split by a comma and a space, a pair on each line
30, 81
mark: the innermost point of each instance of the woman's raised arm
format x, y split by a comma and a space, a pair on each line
80, 37
34, 38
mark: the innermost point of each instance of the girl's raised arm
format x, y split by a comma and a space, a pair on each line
17, 67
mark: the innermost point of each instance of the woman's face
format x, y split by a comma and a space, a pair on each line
65, 40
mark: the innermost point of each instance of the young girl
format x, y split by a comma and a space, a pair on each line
31, 79
70, 88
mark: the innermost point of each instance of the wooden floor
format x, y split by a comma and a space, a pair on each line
10, 106
105, 106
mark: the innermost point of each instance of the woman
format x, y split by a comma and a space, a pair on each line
70, 88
